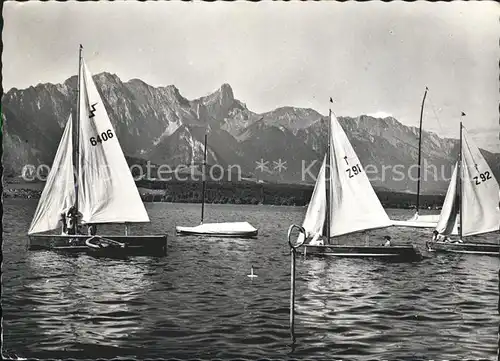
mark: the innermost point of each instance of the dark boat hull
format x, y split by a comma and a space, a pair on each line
153, 245
481, 249
404, 253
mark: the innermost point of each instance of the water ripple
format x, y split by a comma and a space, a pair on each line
199, 303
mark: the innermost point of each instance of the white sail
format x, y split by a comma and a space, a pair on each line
316, 210
107, 192
354, 206
419, 221
59, 192
449, 213
479, 195
224, 228
479, 191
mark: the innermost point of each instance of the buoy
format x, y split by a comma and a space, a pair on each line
251, 275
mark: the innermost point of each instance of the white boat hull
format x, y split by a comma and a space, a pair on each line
226, 229
414, 224
419, 221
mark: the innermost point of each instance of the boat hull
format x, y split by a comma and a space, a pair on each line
182, 231
414, 224
480, 249
419, 221
153, 245
227, 229
405, 253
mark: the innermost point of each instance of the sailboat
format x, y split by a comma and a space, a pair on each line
225, 229
344, 202
471, 206
419, 221
93, 179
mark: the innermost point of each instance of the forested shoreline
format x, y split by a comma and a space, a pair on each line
236, 193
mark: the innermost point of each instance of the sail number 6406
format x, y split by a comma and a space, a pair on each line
104, 136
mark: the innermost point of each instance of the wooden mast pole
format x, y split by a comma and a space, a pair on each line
327, 176
460, 184
420, 149
204, 180
76, 150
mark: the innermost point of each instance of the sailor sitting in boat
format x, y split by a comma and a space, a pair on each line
64, 230
74, 221
317, 240
387, 241
436, 237
458, 240
91, 229
441, 238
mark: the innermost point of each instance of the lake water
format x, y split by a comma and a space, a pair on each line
197, 302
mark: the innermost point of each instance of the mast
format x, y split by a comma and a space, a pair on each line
420, 148
76, 148
204, 180
460, 171
327, 177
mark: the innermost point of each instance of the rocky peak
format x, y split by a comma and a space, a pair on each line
138, 83
201, 112
173, 95
292, 118
226, 95
164, 127
106, 77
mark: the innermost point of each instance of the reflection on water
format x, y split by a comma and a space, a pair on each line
83, 299
445, 305
199, 303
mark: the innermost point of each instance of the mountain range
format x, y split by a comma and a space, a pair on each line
159, 125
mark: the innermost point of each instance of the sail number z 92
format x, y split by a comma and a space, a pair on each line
354, 171
483, 177
104, 136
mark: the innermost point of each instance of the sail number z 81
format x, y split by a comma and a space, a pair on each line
354, 171
104, 136
483, 177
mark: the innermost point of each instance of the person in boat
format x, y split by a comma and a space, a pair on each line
74, 221
64, 230
387, 241
91, 229
458, 240
436, 237
316, 240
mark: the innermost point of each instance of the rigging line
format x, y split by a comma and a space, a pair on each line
410, 145
468, 147
435, 115
87, 163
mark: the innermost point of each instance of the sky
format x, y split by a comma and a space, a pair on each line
371, 58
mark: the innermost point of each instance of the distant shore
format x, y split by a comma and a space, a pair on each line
232, 193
